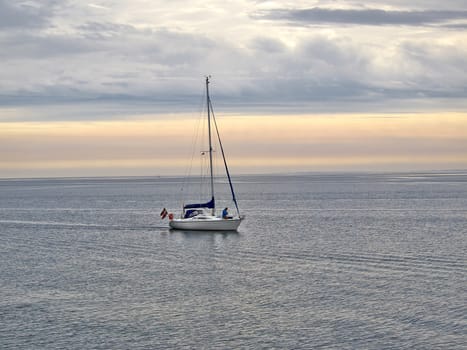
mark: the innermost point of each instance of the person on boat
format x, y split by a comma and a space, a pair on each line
225, 213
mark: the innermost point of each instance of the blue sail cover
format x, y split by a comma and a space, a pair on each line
209, 205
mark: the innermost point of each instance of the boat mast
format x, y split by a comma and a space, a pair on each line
208, 104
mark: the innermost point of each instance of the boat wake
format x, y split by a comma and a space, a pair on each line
58, 224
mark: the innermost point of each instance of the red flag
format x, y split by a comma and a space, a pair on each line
163, 213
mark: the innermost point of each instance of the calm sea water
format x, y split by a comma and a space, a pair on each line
330, 261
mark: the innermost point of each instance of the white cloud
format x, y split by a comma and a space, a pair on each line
98, 7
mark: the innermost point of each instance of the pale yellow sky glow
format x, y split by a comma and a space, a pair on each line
254, 144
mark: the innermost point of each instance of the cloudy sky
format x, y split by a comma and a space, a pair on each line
110, 87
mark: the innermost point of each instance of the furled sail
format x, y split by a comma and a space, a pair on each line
210, 205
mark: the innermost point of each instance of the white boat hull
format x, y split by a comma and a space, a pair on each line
206, 224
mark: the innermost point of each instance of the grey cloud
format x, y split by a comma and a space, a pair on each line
375, 17
328, 74
160, 70
456, 26
28, 45
17, 14
445, 64
104, 30
101, 62
268, 45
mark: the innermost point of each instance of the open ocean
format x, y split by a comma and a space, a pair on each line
322, 261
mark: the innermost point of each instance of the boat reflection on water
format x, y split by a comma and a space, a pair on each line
199, 233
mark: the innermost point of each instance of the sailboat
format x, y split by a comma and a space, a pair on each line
202, 216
